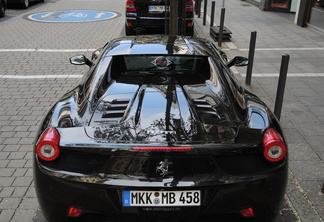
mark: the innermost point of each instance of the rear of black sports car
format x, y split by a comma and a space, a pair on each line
160, 147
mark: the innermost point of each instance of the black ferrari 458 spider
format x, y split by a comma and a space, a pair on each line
159, 129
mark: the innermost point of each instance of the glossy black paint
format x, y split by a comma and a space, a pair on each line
101, 119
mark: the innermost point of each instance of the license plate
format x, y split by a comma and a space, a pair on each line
161, 198
156, 8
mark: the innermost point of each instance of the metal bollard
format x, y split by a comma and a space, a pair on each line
281, 85
205, 12
199, 8
212, 14
251, 58
221, 27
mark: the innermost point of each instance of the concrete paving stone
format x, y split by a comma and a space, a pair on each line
22, 181
21, 128
27, 141
15, 117
20, 172
6, 192
29, 203
10, 203
316, 142
16, 163
311, 129
16, 155
317, 110
11, 148
29, 163
27, 148
312, 101
313, 191
17, 123
4, 163
6, 172
21, 134
6, 215
22, 215
302, 152
19, 192
31, 192
307, 92
4, 154
299, 117
293, 136
29, 172
307, 170
300, 201
7, 134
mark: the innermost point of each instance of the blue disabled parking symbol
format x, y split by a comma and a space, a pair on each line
73, 16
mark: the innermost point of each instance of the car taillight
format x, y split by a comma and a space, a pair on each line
47, 148
189, 6
130, 6
248, 212
74, 212
274, 147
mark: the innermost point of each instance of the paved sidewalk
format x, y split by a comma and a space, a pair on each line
302, 115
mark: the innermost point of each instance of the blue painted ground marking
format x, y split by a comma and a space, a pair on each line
72, 16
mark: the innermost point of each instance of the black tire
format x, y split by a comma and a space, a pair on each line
24, 4
41, 1
129, 31
2, 9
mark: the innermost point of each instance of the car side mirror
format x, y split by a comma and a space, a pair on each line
80, 60
238, 61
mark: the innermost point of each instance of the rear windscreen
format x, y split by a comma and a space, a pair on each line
173, 66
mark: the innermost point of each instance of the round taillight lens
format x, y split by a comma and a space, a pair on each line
274, 147
47, 148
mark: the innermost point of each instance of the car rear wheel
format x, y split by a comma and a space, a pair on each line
129, 31
2, 9
25, 4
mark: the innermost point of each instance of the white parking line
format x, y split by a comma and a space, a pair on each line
281, 49
40, 76
47, 50
288, 74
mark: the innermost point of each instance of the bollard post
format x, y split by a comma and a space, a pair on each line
205, 12
251, 58
281, 85
212, 14
221, 27
199, 8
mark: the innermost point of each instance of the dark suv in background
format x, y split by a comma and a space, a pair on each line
152, 16
3, 7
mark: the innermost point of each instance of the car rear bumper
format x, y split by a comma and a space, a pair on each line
148, 23
103, 202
